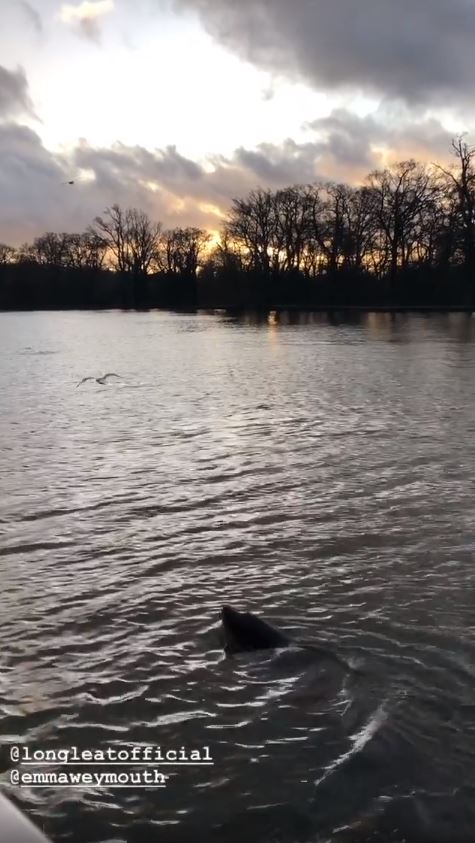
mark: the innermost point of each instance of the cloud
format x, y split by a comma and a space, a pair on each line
352, 146
179, 191
418, 50
35, 196
288, 162
33, 16
29, 183
86, 16
14, 96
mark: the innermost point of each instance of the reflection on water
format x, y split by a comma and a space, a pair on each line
317, 471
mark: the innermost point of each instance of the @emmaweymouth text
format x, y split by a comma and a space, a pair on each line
96, 779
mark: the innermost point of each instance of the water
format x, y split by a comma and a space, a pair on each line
317, 472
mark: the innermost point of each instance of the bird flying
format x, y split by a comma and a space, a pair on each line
102, 380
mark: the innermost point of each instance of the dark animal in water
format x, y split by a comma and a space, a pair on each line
244, 632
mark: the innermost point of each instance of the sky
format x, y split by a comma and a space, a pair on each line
177, 106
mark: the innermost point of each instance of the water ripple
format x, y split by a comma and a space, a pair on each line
320, 474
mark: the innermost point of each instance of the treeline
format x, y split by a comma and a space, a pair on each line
406, 237
123, 260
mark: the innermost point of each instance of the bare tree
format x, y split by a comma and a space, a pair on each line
400, 195
50, 249
143, 238
360, 227
85, 251
316, 257
130, 238
251, 223
112, 230
181, 250
227, 255
7, 254
334, 237
461, 185
292, 218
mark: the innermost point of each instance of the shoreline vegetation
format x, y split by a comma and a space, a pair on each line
404, 240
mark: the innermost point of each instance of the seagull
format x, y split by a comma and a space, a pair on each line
102, 380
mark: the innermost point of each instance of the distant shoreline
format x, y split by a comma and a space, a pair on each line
350, 307
281, 308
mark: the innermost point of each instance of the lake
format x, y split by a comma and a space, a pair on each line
315, 470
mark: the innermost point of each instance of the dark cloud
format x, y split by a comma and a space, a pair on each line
14, 97
288, 162
350, 138
135, 166
35, 196
419, 50
33, 16
30, 184
355, 145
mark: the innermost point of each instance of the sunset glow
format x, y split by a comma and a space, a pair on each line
105, 90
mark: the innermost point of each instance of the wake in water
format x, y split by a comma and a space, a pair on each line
356, 756
304, 714
419, 817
